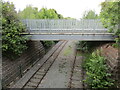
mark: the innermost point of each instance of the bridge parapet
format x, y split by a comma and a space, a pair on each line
64, 26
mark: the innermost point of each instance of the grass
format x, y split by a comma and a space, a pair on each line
68, 51
79, 53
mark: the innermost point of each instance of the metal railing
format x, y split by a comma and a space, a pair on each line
63, 25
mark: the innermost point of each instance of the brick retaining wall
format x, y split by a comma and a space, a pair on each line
13, 70
113, 60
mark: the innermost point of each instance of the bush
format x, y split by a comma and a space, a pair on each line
96, 70
89, 46
48, 43
12, 42
82, 46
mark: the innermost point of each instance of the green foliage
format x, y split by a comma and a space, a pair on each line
29, 13
48, 43
96, 70
110, 17
89, 46
0, 19
90, 15
12, 41
82, 46
49, 14
67, 51
32, 13
69, 18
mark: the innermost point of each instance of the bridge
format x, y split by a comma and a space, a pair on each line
64, 29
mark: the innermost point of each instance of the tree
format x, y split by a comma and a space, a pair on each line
32, 13
29, 13
110, 17
90, 15
12, 42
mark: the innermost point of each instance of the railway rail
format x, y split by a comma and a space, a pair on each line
37, 74
37, 77
76, 79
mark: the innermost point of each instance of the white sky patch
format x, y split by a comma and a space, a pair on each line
68, 8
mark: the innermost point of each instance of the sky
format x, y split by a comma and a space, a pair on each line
68, 8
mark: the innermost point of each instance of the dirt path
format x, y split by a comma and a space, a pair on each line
60, 73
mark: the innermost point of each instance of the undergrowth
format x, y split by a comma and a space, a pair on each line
96, 71
48, 44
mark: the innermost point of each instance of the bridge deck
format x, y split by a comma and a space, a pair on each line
82, 37
84, 29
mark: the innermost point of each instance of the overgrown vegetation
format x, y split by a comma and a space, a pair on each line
110, 17
89, 46
68, 50
94, 64
13, 44
48, 44
96, 70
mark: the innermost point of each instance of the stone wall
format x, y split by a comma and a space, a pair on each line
113, 60
12, 70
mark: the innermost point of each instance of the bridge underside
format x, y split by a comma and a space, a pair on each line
81, 37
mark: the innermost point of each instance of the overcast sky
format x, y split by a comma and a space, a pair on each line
68, 8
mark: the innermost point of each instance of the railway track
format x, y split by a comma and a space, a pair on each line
76, 79
37, 77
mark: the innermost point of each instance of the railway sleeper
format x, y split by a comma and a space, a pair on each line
35, 80
45, 69
32, 84
27, 87
47, 65
37, 76
40, 73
